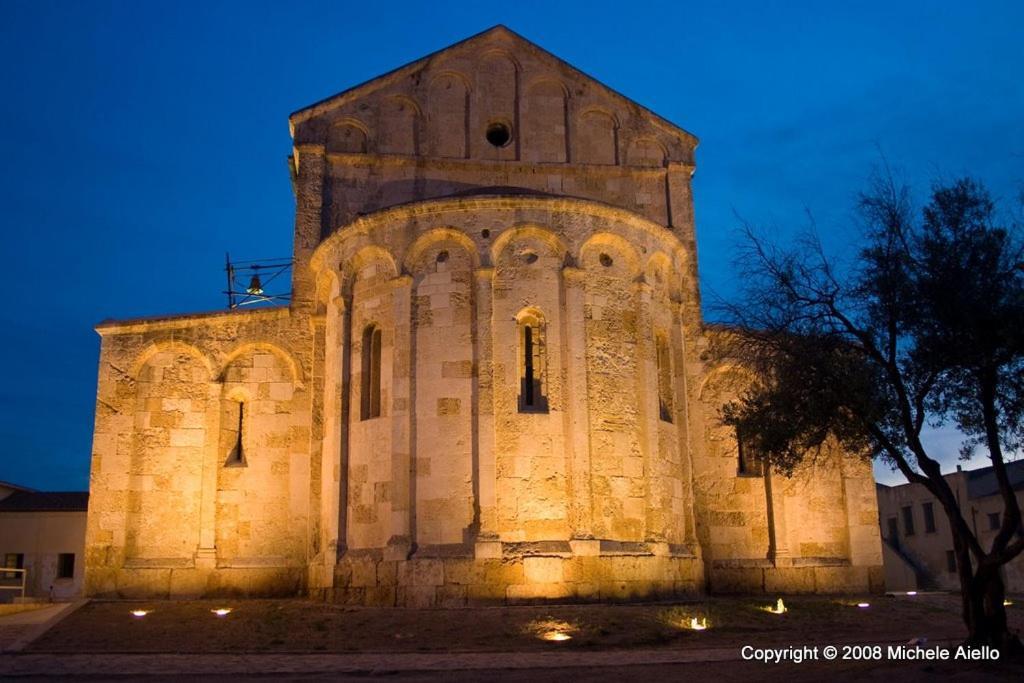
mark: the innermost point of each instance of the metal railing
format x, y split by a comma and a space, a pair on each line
6, 574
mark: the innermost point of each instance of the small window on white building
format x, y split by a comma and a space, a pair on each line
13, 561
894, 533
929, 518
993, 521
908, 520
66, 566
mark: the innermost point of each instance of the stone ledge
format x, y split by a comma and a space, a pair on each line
376, 160
820, 562
159, 563
132, 325
742, 563
277, 562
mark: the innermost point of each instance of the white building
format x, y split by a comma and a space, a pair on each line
43, 533
918, 546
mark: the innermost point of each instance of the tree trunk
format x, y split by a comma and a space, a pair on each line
981, 594
985, 614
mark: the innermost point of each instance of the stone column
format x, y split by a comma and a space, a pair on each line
487, 544
402, 412
581, 512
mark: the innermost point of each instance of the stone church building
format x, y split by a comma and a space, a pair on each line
489, 385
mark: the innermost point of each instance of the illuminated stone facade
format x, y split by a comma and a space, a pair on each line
488, 386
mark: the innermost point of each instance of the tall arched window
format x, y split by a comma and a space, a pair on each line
370, 395
664, 378
233, 420
532, 364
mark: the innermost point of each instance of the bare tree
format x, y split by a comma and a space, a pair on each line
924, 327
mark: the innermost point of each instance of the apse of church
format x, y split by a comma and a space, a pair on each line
488, 385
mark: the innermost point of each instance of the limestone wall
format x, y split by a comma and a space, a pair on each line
172, 512
445, 396
810, 532
461, 582
456, 466
531, 460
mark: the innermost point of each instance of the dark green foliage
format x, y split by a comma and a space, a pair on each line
924, 327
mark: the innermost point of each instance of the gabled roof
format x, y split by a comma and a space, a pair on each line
367, 86
45, 501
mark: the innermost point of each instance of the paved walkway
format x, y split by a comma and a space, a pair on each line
255, 664
265, 664
17, 629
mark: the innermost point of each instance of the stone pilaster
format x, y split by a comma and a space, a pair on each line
403, 413
310, 166
487, 544
577, 409
206, 553
647, 389
681, 415
680, 198
320, 560
344, 305
331, 479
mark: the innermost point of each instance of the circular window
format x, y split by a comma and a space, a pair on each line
485, 233
442, 256
530, 257
499, 134
605, 260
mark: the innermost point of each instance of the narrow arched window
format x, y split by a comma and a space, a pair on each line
234, 419
749, 461
532, 364
664, 362
371, 373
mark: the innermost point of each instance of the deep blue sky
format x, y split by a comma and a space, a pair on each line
141, 140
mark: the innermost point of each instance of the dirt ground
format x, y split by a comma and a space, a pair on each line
268, 626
